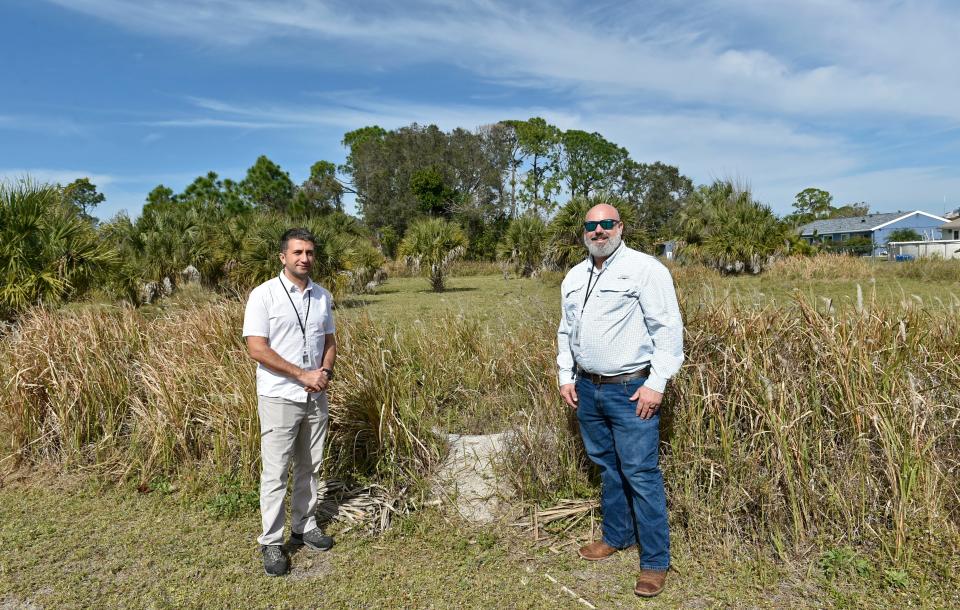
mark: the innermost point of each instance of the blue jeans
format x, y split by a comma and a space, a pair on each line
625, 447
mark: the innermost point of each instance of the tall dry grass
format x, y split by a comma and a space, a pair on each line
142, 393
827, 266
793, 424
787, 426
822, 267
111, 389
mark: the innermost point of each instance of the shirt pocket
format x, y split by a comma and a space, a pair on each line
616, 299
572, 301
623, 287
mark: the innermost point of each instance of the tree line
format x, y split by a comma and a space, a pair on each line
514, 191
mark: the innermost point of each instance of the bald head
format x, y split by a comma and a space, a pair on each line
602, 211
602, 241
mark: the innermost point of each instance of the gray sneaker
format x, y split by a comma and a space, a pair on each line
315, 539
275, 563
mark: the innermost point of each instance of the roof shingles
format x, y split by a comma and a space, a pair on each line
854, 224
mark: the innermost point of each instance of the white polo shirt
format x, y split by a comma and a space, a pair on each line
271, 314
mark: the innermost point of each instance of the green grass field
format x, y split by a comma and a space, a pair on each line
512, 301
74, 534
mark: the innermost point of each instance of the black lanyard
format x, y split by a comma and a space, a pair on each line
303, 324
589, 289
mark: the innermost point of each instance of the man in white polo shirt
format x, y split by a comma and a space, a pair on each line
289, 331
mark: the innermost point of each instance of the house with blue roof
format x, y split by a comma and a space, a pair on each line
875, 227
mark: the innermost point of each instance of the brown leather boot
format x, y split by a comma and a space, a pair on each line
650, 583
598, 551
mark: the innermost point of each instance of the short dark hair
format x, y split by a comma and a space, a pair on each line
296, 233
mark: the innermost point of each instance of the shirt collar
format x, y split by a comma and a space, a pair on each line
609, 260
293, 288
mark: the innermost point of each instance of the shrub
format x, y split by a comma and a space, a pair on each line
432, 246
856, 246
725, 228
524, 244
49, 252
904, 235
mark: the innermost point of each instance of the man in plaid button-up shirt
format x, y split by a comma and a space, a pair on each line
620, 339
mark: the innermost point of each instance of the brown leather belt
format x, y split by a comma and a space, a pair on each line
599, 379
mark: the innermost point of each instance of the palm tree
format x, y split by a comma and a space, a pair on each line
565, 232
524, 244
259, 260
725, 228
48, 251
433, 244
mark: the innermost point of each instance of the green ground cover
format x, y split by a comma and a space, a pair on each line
73, 543
511, 301
489, 298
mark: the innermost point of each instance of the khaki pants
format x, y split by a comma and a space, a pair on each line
290, 429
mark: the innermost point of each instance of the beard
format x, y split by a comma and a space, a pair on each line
604, 250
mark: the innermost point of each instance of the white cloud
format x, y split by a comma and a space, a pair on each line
117, 197
208, 122
785, 95
360, 109
809, 58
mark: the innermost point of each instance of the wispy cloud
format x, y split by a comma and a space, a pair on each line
54, 176
844, 94
705, 143
207, 122
935, 189
357, 109
57, 126
810, 58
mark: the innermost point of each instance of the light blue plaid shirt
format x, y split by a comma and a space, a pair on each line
631, 319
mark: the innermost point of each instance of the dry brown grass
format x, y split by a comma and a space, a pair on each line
822, 267
786, 426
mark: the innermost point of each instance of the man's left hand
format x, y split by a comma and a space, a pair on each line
648, 402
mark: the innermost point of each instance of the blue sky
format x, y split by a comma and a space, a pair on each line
859, 98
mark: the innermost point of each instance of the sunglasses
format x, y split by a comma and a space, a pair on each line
606, 223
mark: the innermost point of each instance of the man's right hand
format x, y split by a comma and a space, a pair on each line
313, 381
569, 393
